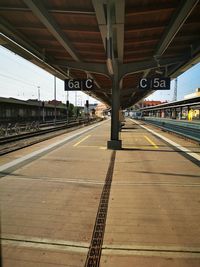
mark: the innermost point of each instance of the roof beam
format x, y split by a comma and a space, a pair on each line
112, 19
139, 43
110, 38
27, 54
130, 68
101, 18
136, 29
140, 10
39, 10
89, 67
65, 28
175, 24
56, 10
7, 29
105, 22
119, 13
145, 74
184, 66
27, 49
135, 90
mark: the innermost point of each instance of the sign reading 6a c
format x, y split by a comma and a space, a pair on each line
79, 84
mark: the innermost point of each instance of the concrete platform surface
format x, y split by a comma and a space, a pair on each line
49, 205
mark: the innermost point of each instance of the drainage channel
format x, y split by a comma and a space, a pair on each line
94, 253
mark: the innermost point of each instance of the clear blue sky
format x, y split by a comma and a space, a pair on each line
187, 83
21, 79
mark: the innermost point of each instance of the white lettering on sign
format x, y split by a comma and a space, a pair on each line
70, 84
89, 83
143, 83
155, 83
158, 83
79, 84
162, 83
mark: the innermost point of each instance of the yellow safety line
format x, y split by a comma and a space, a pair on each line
82, 140
137, 147
100, 147
103, 147
151, 142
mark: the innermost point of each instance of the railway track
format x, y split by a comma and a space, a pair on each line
185, 130
12, 143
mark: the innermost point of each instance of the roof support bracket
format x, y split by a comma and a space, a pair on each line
109, 39
131, 68
176, 23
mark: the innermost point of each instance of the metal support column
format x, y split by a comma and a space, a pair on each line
115, 143
188, 110
181, 113
170, 113
112, 65
54, 100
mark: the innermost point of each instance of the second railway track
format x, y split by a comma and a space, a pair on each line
12, 143
185, 130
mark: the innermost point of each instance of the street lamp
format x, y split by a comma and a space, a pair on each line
38, 93
54, 100
38, 103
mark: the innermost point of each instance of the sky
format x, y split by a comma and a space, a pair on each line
187, 84
21, 79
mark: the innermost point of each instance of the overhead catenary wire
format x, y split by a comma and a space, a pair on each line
18, 80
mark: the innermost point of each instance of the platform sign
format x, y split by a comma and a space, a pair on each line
155, 83
79, 84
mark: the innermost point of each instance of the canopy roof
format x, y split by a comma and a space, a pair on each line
68, 39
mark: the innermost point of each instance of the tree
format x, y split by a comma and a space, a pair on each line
71, 110
76, 111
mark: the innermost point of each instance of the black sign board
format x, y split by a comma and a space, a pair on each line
79, 84
155, 83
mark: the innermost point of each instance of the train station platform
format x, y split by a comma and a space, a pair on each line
69, 201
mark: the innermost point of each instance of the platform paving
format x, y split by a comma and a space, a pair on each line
49, 206
154, 208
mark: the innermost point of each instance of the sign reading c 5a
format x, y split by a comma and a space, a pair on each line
155, 83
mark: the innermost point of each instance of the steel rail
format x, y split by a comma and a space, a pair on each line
13, 143
190, 133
